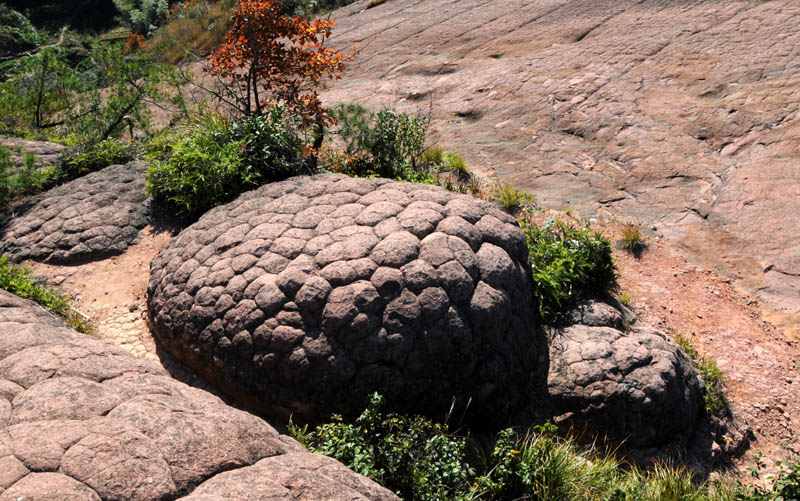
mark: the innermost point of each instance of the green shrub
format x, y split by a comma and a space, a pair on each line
198, 168
272, 148
17, 34
419, 460
384, 144
94, 157
413, 456
18, 280
6, 192
17, 181
211, 162
143, 16
569, 262
783, 486
714, 401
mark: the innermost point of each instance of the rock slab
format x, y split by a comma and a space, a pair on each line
308, 295
97, 215
632, 384
83, 419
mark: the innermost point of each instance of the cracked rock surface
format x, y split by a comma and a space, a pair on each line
83, 419
684, 114
306, 296
93, 216
635, 385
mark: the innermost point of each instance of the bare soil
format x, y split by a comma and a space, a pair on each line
112, 293
729, 325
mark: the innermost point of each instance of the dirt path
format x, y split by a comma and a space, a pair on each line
113, 293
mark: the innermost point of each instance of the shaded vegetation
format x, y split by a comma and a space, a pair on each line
420, 459
714, 401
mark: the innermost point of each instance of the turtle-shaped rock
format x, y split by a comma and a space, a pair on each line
308, 295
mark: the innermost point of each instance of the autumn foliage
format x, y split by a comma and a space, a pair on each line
271, 59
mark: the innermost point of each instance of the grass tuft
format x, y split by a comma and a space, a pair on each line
632, 239
714, 401
511, 198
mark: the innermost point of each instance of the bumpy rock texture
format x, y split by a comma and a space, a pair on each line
312, 293
97, 215
82, 419
634, 385
46, 154
683, 114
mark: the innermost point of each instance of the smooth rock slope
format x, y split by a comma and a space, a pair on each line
82, 419
681, 114
308, 295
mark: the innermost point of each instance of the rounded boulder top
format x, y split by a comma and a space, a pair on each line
97, 215
306, 296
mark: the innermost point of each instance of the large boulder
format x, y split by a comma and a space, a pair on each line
630, 382
83, 419
97, 215
306, 296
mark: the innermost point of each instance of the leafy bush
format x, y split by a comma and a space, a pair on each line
143, 16
420, 460
714, 401
6, 192
783, 486
17, 34
383, 144
414, 457
272, 147
568, 262
197, 168
210, 162
92, 158
23, 180
18, 280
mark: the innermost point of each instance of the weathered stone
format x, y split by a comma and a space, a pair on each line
367, 294
90, 421
634, 385
97, 215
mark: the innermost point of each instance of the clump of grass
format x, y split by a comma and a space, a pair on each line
194, 28
632, 239
714, 401
626, 299
19, 280
569, 261
511, 198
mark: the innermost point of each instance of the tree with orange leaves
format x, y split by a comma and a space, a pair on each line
271, 59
